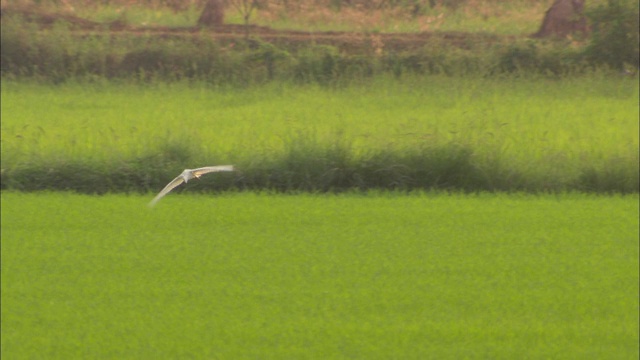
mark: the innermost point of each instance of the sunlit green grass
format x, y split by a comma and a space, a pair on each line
365, 277
538, 128
586, 116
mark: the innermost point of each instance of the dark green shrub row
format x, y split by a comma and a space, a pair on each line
615, 34
308, 166
60, 54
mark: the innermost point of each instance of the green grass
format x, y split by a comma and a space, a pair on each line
531, 134
379, 276
140, 15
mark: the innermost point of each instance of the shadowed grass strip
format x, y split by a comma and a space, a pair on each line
306, 165
617, 175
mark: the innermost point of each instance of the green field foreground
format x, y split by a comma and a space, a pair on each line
352, 276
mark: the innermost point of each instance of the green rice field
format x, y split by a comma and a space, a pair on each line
381, 275
270, 262
576, 117
413, 180
510, 134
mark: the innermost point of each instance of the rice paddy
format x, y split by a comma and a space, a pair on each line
522, 134
411, 218
361, 276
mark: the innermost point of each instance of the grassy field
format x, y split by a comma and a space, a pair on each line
375, 276
501, 17
492, 242
530, 134
513, 17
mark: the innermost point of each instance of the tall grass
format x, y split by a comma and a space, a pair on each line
473, 133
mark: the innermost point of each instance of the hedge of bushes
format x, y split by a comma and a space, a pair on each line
61, 53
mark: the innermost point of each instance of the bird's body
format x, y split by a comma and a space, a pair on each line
187, 175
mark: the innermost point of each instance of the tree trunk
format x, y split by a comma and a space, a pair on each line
213, 14
564, 17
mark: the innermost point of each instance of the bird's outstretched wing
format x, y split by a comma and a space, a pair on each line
188, 174
208, 169
170, 186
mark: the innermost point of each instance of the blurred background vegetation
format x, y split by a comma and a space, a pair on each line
55, 41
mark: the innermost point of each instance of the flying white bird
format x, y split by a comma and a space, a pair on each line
187, 175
